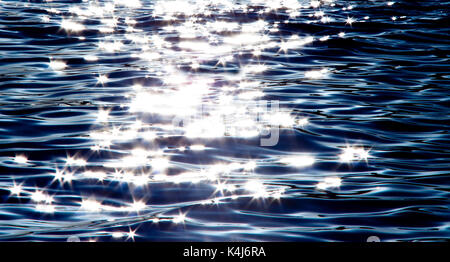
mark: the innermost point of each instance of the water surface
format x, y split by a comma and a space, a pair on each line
146, 120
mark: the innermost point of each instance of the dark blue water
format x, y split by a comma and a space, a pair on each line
150, 120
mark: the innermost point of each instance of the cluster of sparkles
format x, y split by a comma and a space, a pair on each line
350, 154
188, 104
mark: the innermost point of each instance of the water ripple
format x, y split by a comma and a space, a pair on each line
150, 120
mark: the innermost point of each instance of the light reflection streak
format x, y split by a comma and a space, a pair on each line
16, 189
102, 79
350, 154
72, 26
179, 219
20, 159
45, 208
316, 74
298, 161
329, 182
57, 65
131, 234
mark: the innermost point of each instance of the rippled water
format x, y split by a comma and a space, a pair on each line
224, 120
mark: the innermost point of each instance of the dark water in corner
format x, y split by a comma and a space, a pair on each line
147, 117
